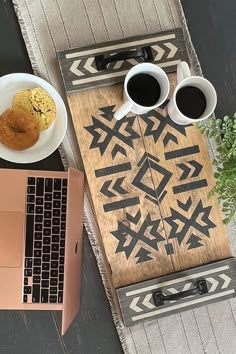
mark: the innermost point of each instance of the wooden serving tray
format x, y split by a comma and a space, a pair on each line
148, 177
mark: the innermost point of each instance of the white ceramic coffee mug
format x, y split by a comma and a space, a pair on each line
184, 78
131, 106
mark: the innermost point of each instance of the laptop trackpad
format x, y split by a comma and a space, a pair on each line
11, 238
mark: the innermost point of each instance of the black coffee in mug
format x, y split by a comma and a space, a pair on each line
191, 101
144, 89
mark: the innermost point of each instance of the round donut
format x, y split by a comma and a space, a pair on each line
18, 129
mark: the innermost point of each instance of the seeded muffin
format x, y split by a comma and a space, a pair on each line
38, 102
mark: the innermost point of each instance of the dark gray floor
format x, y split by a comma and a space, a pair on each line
212, 26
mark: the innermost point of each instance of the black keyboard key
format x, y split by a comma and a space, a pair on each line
38, 236
29, 236
64, 191
64, 182
63, 208
31, 181
55, 247
39, 218
55, 238
47, 214
46, 232
57, 195
36, 279
39, 201
27, 289
64, 199
38, 244
62, 252
61, 269
56, 204
48, 185
46, 258
37, 262
37, 253
46, 249
45, 275
54, 256
53, 299
61, 261
63, 234
47, 205
39, 186
56, 212
63, 217
53, 290
48, 197
63, 226
55, 230
53, 281
36, 293
60, 287
56, 221
46, 241
57, 184
44, 295
30, 198
25, 281
31, 190
61, 277
62, 243
54, 273
28, 263
36, 270
45, 266
47, 223
30, 209
54, 264
60, 297
25, 298
38, 227
45, 283
39, 209
28, 272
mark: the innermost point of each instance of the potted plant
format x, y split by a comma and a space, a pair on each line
224, 134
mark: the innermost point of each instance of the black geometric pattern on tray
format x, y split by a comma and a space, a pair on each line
190, 168
149, 162
146, 235
87, 66
118, 149
111, 188
184, 227
103, 134
156, 124
79, 68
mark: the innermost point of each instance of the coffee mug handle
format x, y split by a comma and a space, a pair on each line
183, 71
123, 110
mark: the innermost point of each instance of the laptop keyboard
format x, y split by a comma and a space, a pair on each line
45, 240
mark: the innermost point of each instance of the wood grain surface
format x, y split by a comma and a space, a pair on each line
137, 301
149, 179
79, 69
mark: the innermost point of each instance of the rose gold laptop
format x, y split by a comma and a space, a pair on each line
41, 222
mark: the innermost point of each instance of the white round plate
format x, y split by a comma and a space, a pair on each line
50, 138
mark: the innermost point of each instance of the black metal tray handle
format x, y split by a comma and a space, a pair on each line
144, 53
200, 288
